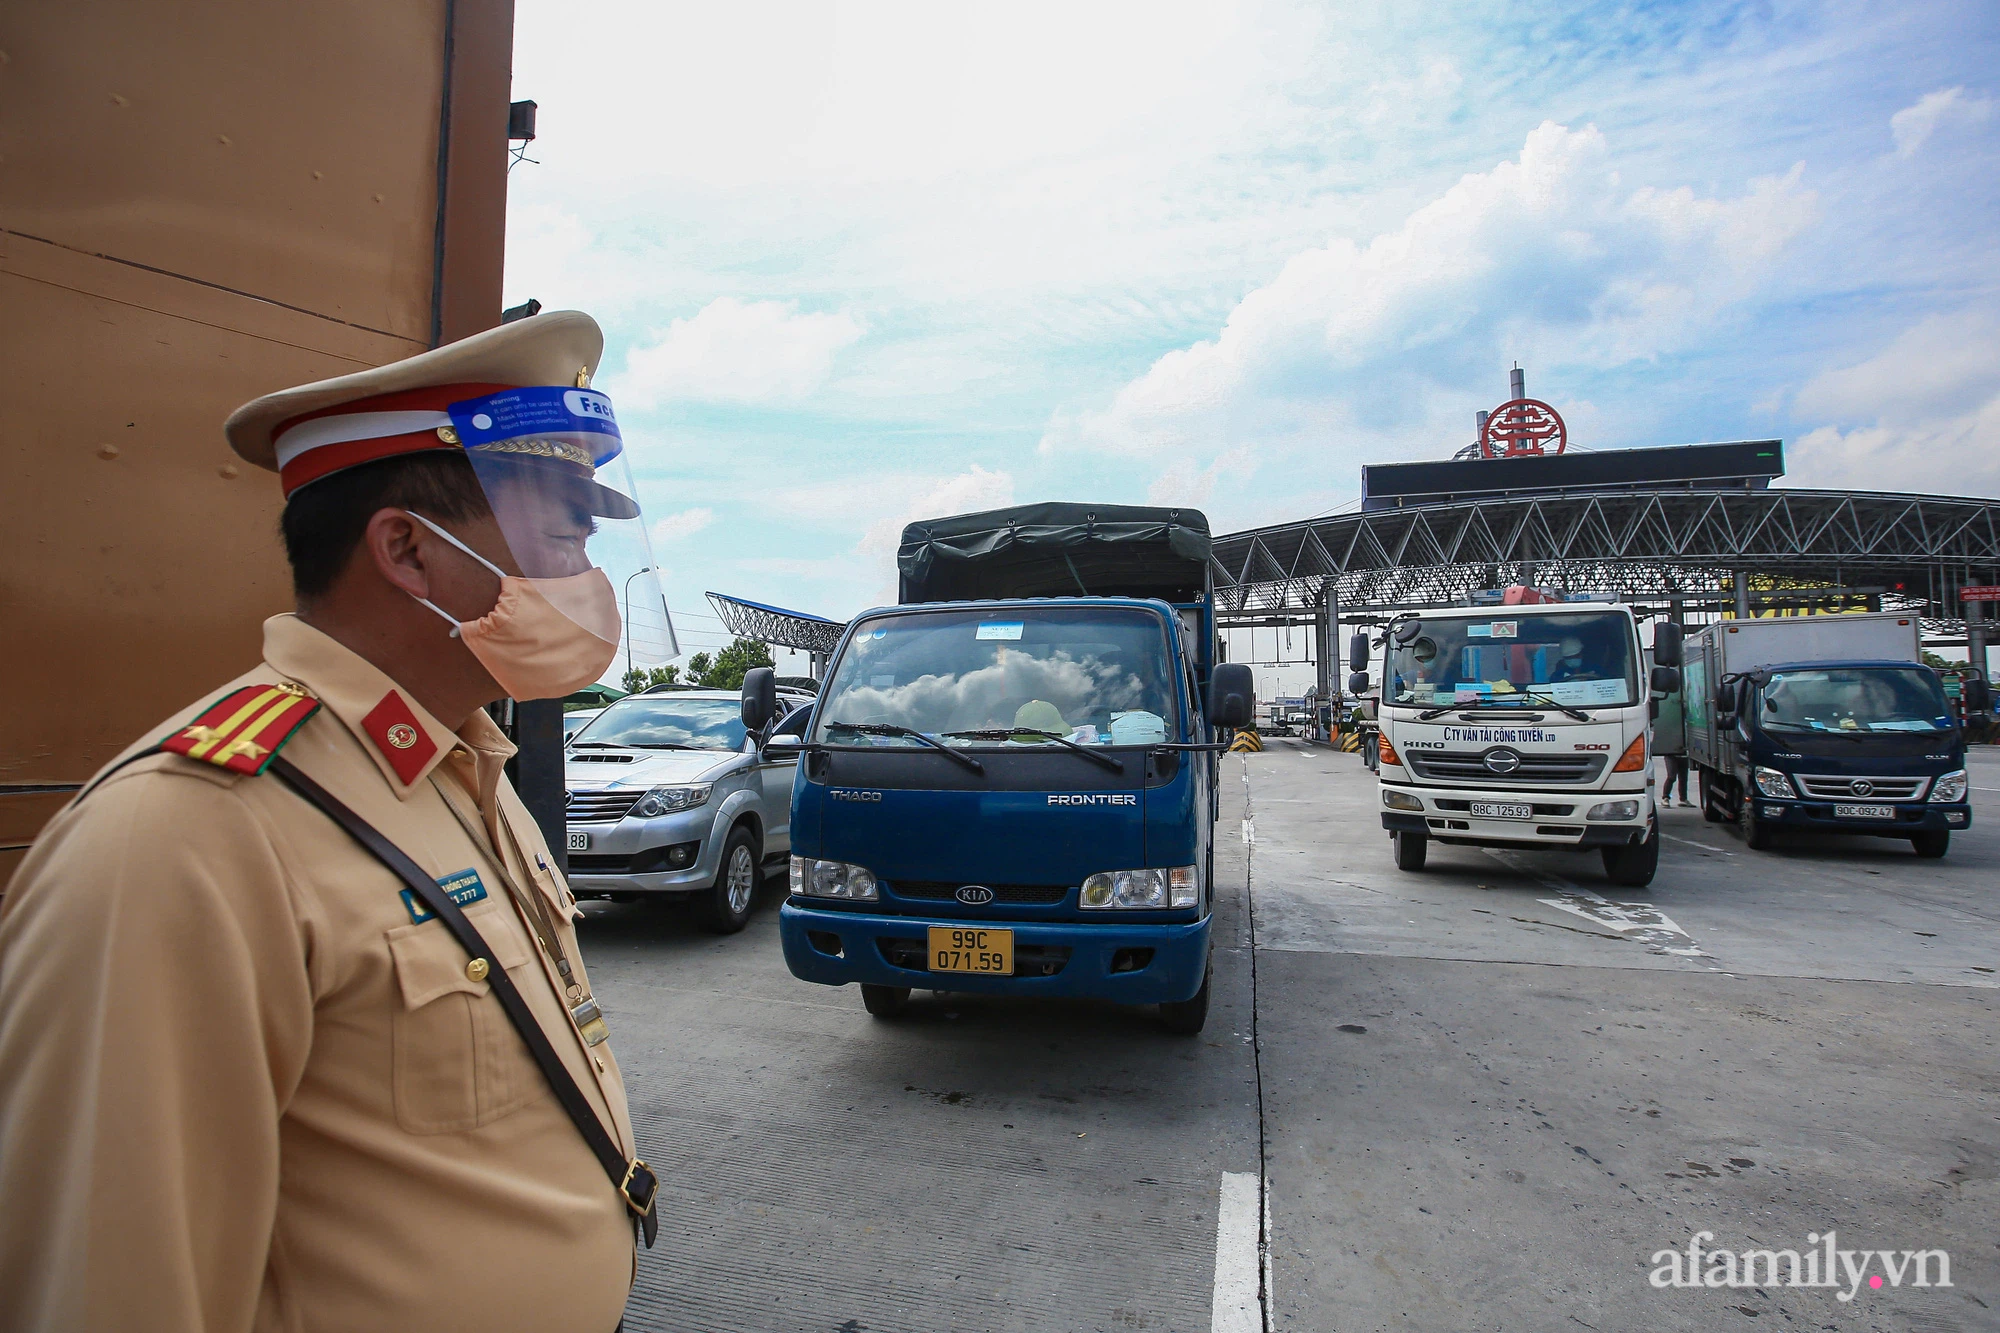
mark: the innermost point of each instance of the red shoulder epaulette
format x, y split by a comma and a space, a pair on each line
244, 730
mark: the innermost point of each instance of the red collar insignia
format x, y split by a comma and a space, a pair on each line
400, 737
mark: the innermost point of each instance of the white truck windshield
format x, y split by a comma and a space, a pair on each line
1855, 699
1581, 660
1088, 675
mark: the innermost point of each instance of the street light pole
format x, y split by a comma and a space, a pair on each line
628, 614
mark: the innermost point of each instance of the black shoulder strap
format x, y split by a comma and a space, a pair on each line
633, 1180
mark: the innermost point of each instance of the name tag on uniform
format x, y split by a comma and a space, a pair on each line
463, 886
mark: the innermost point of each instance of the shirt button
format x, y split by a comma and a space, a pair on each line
476, 970
600, 1063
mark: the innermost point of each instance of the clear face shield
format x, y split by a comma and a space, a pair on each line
551, 463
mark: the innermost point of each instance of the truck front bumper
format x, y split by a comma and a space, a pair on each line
834, 947
1559, 818
1910, 817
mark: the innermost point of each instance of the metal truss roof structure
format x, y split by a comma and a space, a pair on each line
775, 625
1915, 551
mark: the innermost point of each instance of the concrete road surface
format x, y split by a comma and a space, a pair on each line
1480, 1097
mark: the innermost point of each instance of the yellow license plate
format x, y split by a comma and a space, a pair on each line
972, 949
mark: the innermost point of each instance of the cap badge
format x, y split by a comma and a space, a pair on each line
402, 735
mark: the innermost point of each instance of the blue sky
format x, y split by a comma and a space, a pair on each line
860, 264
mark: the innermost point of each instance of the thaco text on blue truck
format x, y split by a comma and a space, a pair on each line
1008, 785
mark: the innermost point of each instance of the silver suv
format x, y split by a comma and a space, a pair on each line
668, 797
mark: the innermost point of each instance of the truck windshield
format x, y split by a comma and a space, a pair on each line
1855, 699
1091, 675
1582, 659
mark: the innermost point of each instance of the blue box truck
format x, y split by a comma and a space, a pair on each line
1008, 783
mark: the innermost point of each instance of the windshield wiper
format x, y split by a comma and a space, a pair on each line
1476, 707
892, 729
1576, 713
1009, 733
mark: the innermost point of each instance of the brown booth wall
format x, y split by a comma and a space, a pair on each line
201, 203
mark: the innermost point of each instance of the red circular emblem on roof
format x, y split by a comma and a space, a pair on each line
1524, 428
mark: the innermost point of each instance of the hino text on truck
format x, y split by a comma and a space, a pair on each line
1520, 725
1824, 724
1008, 782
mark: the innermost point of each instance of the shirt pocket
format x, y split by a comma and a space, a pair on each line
458, 1063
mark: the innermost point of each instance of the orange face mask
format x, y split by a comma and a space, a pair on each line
544, 638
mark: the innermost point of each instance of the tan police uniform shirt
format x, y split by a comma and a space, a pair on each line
241, 1087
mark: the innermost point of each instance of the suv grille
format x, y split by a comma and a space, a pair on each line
938, 890
1875, 789
1467, 766
599, 807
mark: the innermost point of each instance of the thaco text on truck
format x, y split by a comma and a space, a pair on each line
1008, 784
1520, 725
1826, 724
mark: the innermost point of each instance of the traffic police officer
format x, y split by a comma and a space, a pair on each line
248, 1078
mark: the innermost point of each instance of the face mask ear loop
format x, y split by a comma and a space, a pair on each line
449, 618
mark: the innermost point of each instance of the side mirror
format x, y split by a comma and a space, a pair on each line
1232, 695
1667, 644
1666, 679
760, 698
785, 742
1407, 632
1358, 683
1357, 652
1976, 694
1725, 721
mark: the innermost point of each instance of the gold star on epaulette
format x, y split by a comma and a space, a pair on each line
201, 735
247, 749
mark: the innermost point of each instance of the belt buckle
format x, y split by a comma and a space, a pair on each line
649, 1186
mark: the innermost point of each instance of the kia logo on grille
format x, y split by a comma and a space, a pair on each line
1861, 788
975, 895
1502, 761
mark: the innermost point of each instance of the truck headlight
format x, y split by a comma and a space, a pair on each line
666, 800
1773, 783
1613, 810
1155, 888
833, 879
1398, 800
1950, 787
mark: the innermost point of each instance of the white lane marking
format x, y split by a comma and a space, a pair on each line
1986, 788
1242, 1262
1634, 921
1249, 830
1692, 843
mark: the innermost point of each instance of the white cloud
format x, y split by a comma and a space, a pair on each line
1914, 124
964, 493
740, 352
1922, 414
1543, 259
686, 523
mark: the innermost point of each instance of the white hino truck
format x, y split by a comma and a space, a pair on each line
1521, 725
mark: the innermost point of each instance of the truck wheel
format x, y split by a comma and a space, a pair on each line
1633, 867
1186, 1017
1931, 846
885, 1001
1711, 808
1410, 849
725, 908
1756, 833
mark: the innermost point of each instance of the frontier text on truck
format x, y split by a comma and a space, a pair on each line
1521, 725
1008, 783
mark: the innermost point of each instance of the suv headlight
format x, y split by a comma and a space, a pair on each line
1950, 787
1773, 783
1613, 810
833, 879
666, 800
1172, 887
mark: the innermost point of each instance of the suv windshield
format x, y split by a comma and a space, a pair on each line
1582, 659
1091, 675
666, 722
1855, 699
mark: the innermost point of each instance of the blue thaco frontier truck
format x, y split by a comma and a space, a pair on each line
1824, 724
1008, 783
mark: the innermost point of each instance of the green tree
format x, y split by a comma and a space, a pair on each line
639, 678
698, 669
726, 672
